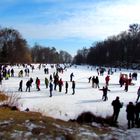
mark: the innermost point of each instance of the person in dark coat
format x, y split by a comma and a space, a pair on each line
121, 80
105, 90
12, 72
126, 85
138, 93
28, 85
51, 78
137, 114
73, 87
60, 84
97, 82
31, 80
130, 109
66, 87
45, 70
71, 77
51, 88
20, 85
93, 81
89, 79
56, 81
46, 82
117, 105
1, 78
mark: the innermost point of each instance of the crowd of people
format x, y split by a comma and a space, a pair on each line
53, 81
132, 110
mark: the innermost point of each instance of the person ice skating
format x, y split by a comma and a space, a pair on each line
37, 82
138, 94
89, 79
60, 84
51, 88
71, 77
56, 81
45, 70
51, 78
28, 85
117, 105
96, 82
121, 80
12, 72
66, 87
93, 81
73, 87
46, 82
137, 114
107, 78
31, 80
1, 78
130, 109
20, 85
126, 85
105, 90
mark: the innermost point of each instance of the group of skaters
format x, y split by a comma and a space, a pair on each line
95, 84
5, 73
55, 81
132, 110
126, 80
51, 83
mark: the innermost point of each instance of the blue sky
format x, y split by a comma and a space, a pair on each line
68, 24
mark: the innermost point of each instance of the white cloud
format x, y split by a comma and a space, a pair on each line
91, 21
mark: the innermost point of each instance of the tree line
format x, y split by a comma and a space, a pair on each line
120, 50
15, 49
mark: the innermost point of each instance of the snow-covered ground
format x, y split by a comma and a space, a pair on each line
68, 106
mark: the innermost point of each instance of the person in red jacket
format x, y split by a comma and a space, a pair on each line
60, 83
38, 83
107, 78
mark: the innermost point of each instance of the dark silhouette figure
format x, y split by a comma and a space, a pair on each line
51, 88
130, 109
28, 85
66, 87
60, 84
89, 79
12, 72
126, 85
71, 77
93, 81
1, 78
138, 93
105, 89
20, 85
96, 82
137, 113
46, 82
45, 70
116, 108
73, 87
56, 81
